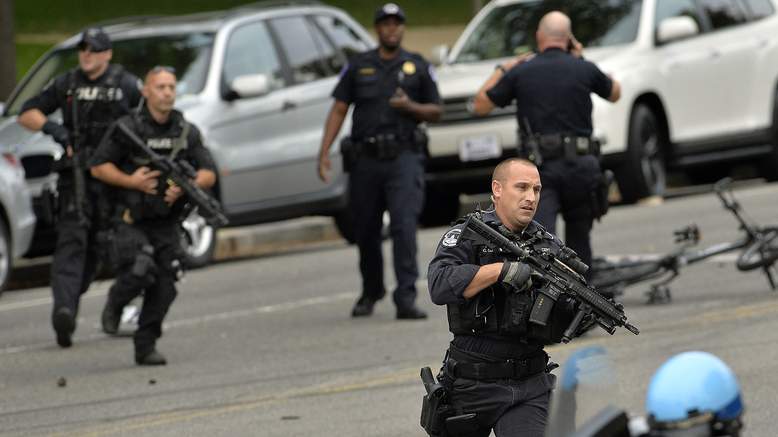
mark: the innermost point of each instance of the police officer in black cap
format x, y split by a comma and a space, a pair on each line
392, 91
496, 371
150, 210
554, 110
91, 97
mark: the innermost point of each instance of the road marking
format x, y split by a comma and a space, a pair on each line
195, 321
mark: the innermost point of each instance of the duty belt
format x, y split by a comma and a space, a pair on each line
553, 146
384, 146
460, 366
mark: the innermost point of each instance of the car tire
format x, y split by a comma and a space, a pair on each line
768, 167
642, 173
6, 254
198, 239
440, 207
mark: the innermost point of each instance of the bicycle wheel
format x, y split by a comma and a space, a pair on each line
762, 252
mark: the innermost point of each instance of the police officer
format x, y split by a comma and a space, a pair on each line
392, 91
496, 370
147, 241
552, 90
91, 97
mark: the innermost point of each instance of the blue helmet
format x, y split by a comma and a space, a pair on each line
694, 390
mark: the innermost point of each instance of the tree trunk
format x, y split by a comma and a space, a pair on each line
7, 50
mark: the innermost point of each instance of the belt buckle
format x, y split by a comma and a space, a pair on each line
582, 144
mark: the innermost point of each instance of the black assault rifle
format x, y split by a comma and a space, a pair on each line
181, 173
78, 166
560, 279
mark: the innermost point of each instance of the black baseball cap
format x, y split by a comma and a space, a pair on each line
96, 39
389, 10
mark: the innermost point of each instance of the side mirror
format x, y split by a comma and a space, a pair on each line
250, 85
439, 55
675, 28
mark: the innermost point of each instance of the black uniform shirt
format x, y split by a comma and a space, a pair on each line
119, 150
553, 92
99, 102
369, 82
454, 266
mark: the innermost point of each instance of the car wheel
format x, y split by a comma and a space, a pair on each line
5, 255
768, 167
198, 238
642, 173
440, 207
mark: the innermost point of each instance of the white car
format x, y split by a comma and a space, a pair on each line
698, 86
17, 220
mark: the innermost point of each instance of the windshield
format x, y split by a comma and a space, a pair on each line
510, 30
189, 54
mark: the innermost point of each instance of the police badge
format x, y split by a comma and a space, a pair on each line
451, 238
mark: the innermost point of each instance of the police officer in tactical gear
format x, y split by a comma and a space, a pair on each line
91, 97
150, 209
496, 371
554, 110
392, 91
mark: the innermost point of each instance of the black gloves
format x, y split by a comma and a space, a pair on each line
58, 132
516, 274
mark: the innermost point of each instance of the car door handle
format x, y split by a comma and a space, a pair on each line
287, 105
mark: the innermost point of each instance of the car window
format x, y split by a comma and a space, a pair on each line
344, 38
302, 52
677, 8
723, 13
250, 50
510, 29
333, 59
760, 8
188, 53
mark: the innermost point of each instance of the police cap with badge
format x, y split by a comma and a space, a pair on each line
389, 10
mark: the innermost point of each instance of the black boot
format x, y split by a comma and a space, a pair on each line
363, 307
411, 313
64, 324
111, 317
152, 358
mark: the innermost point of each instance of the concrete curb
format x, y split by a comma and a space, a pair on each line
273, 238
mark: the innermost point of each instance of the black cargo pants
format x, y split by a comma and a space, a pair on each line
157, 285
76, 254
396, 185
568, 187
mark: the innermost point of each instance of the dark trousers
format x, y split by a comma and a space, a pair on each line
76, 253
568, 187
509, 407
158, 285
397, 186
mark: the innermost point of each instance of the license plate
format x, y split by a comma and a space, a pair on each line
479, 147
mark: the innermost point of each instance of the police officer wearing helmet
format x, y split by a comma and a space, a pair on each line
496, 370
552, 92
694, 394
392, 91
150, 210
91, 97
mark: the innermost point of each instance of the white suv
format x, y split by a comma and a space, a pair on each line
698, 86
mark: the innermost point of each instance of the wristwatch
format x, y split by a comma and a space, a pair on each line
501, 68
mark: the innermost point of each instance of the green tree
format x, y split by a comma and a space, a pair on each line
7, 49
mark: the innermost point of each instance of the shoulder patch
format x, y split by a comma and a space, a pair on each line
451, 238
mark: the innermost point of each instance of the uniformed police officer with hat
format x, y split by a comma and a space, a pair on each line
150, 209
91, 97
392, 91
554, 111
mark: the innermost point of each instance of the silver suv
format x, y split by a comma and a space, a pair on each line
256, 80
17, 220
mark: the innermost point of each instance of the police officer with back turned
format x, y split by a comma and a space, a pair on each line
554, 110
392, 91
496, 371
150, 209
91, 97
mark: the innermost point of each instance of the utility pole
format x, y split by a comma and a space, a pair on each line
7, 49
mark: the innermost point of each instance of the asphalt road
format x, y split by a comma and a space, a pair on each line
265, 347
